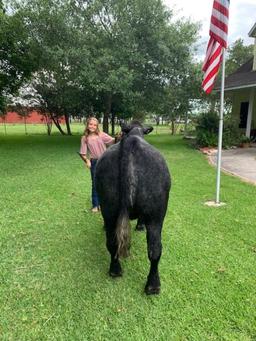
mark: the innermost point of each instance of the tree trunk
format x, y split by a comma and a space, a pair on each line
49, 128
186, 124
48, 125
5, 126
67, 124
173, 127
105, 122
57, 125
107, 113
213, 105
113, 124
25, 123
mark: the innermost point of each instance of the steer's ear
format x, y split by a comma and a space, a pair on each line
125, 128
147, 130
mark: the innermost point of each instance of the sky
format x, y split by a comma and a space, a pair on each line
242, 17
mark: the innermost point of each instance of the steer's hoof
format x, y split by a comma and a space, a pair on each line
140, 227
115, 270
115, 274
153, 284
149, 290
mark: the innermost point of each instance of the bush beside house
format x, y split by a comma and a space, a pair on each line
207, 127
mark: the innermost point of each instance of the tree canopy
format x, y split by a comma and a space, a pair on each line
238, 54
18, 58
116, 57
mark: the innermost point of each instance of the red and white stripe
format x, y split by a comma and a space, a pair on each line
218, 41
211, 64
219, 21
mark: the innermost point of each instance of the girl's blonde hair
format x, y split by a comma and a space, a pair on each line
86, 130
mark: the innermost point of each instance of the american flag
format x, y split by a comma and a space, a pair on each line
217, 41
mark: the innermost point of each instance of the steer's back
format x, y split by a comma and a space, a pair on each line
151, 177
136, 174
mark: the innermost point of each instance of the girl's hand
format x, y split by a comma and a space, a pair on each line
88, 163
118, 137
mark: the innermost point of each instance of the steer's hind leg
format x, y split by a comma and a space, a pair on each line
140, 225
115, 269
154, 254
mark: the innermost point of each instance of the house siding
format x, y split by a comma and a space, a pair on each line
239, 96
254, 57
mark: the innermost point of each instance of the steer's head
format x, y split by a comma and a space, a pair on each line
135, 128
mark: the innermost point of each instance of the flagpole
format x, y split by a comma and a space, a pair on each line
217, 201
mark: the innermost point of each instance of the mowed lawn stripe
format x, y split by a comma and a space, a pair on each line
53, 269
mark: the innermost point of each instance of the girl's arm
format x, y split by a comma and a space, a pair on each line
83, 152
107, 139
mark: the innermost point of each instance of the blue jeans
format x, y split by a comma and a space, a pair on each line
95, 200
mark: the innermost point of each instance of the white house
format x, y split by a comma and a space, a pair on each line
240, 86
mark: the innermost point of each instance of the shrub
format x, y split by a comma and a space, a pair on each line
231, 132
245, 139
206, 139
207, 131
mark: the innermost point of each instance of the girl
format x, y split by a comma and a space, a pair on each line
94, 143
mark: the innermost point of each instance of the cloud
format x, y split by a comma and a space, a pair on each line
242, 18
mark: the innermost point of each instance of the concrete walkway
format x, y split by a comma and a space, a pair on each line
240, 162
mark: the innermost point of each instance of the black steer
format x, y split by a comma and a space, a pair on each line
133, 182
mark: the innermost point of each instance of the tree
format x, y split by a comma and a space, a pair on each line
113, 56
184, 78
142, 50
3, 111
60, 35
24, 102
17, 55
238, 54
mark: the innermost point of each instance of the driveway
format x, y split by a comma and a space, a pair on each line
240, 162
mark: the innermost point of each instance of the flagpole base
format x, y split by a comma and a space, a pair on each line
212, 203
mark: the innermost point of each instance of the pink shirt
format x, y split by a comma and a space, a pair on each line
95, 144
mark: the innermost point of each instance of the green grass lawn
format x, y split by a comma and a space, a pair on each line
53, 270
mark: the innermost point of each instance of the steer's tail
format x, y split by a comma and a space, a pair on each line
127, 186
123, 235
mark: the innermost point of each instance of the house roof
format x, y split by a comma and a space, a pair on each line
252, 32
243, 77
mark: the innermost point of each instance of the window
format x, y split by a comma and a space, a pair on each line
243, 114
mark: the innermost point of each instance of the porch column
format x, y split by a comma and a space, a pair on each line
250, 110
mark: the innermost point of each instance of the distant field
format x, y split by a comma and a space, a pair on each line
76, 128
36, 129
